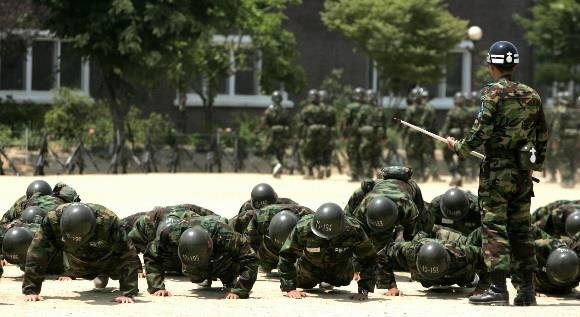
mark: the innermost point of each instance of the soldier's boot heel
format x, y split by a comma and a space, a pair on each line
526, 293
325, 286
101, 281
496, 294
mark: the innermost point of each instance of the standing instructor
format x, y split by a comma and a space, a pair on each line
512, 129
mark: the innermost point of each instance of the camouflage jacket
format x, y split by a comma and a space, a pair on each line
544, 245
465, 259
61, 193
511, 116
349, 124
409, 200
324, 255
247, 205
551, 218
465, 225
275, 115
109, 245
231, 254
259, 222
457, 122
145, 227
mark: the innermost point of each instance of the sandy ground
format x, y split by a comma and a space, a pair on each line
224, 193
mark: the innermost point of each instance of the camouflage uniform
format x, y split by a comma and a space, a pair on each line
329, 115
544, 245
276, 121
145, 227
306, 259
61, 194
316, 133
353, 138
511, 116
109, 252
233, 260
257, 231
371, 126
566, 134
465, 259
552, 218
465, 225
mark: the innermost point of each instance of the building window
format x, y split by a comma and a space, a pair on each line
30, 72
242, 87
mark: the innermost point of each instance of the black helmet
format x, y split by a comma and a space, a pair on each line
166, 223
195, 247
503, 54
15, 244
276, 97
454, 204
280, 226
77, 223
328, 221
562, 266
32, 214
432, 260
382, 213
263, 195
573, 223
38, 186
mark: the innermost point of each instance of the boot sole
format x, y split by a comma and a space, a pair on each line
497, 303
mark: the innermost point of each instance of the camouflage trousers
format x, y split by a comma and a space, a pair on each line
370, 154
504, 200
276, 150
353, 156
308, 275
268, 259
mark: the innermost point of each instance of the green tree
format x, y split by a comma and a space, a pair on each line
407, 39
129, 39
233, 46
554, 31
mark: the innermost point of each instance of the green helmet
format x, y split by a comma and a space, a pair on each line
573, 223
195, 247
32, 214
459, 98
263, 195
77, 223
15, 244
322, 95
432, 260
454, 204
382, 214
38, 186
562, 266
371, 97
328, 221
280, 226
312, 96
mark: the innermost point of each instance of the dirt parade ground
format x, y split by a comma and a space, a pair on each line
224, 193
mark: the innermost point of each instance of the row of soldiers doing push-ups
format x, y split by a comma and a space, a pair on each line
386, 226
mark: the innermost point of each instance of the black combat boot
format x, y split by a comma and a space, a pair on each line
526, 293
496, 294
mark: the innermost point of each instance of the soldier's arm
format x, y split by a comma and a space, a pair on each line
393, 253
124, 251
289, 252
366, 255
142, 233
354, 201
154, 268
542, 135
37, 258
480, 131
248, 261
